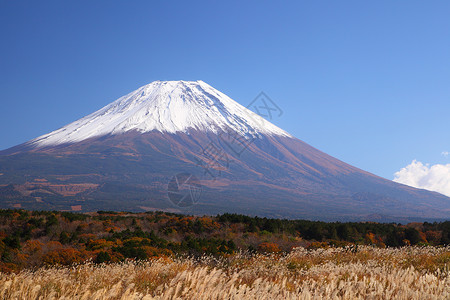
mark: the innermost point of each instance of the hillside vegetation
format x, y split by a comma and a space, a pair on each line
118, 255
43, 238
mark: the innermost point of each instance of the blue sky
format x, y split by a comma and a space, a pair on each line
368, 83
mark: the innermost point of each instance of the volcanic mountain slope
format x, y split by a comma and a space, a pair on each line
185, 147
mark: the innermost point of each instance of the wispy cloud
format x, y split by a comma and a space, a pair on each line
445, 153
434, 178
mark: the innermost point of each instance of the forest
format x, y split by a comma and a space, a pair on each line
32, 239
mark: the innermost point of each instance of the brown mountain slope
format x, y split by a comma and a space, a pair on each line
267, 176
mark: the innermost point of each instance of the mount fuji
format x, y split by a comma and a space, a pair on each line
183, 146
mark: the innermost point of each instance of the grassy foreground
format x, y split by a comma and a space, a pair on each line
335, 273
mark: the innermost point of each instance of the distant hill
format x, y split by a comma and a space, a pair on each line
184, 147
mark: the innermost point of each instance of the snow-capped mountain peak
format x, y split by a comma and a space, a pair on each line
165, 106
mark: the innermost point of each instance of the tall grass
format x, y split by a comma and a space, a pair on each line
334, 273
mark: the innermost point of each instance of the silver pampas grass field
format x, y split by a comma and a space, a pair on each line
333, 273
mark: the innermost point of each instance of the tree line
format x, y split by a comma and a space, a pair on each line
35, 238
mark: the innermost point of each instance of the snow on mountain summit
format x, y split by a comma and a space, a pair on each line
165, 106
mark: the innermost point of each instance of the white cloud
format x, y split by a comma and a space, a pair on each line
434, 178
445, 153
